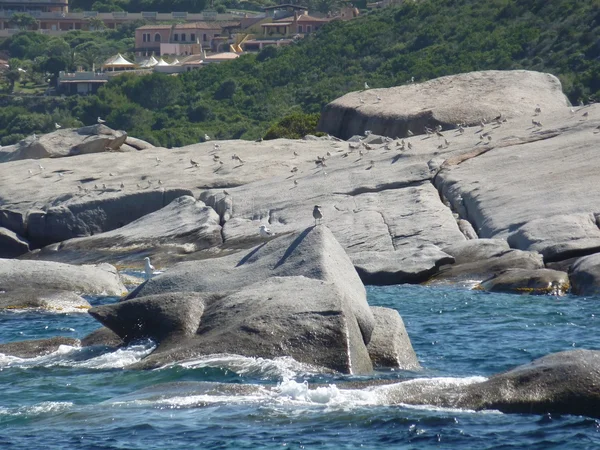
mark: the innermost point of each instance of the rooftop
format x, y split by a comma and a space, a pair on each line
191, 26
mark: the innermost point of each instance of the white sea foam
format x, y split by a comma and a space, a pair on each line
69, 356
37, 410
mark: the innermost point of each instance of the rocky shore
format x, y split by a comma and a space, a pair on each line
485, 177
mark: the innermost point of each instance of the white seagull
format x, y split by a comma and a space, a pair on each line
264, 231
317, 214
101, 120
57, 126
206, 137
366, 85
148, 268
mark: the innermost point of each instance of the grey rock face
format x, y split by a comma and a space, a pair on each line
313, 253
465, 98
390, 345
102, 279
66, 142
38, 347
482, 258
183, 226
11, 244
48, 299
563, 383
169, 315
307, 319
523, 281
585, 275
559, 383
102, 336
406, 265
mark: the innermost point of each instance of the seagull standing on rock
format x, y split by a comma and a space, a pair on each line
101, 120
148, 268
264, 231
317, 214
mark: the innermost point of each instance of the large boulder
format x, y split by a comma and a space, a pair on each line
66, 142
390, 345
101, 279
11, 244
466, 98
183, 226
584, 275
310, 320
524, 281
313, 253
46, 299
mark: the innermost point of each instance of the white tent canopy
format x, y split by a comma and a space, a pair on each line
118, 62
161, 63
150, 62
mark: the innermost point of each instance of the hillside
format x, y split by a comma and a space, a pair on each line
423, 40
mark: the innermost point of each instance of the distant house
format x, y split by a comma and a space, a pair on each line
180, 39
299, 23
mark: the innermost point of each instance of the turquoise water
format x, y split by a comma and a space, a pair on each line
83, 399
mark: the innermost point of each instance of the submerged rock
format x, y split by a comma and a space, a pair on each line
523, 281
47, 299
38, 347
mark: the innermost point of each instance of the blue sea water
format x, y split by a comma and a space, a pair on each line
84, 399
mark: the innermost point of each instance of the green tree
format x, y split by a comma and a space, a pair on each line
23, 21
294, 126
96, 24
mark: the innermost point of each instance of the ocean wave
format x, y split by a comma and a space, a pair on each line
70, 356
280, 368
37, 409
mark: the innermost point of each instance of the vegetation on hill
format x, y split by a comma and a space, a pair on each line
424, 40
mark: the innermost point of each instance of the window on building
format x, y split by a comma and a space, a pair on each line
193, 37
308, 28
204, 37
157, 37
299, 28
183, 37
144, 37
175, 37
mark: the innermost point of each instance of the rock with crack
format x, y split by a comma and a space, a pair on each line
65, 142
90, 216
310, 320
183, 226
44, 299
524, 281
101, 279
406, 265
479, 259
584, 275
550, 209
465, 98
390, 345
313, 253
37, 347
